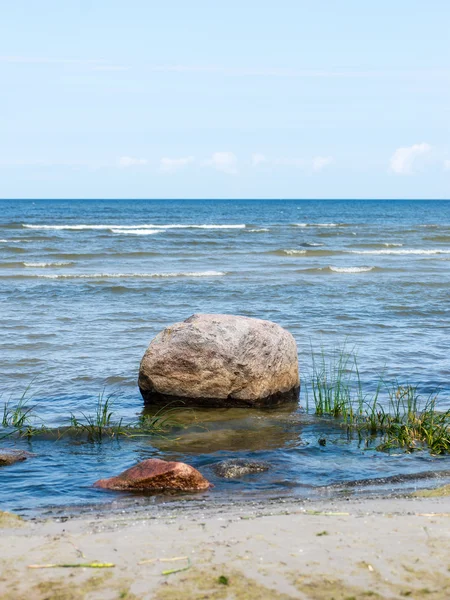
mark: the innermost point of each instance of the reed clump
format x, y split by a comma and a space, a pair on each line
393, 416
103, 423
20, 420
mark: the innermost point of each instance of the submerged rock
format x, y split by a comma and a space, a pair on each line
231, 469
159, 476
221, 360
9, 457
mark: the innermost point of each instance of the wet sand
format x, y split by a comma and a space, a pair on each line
342, 549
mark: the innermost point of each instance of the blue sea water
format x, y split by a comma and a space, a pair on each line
85, 285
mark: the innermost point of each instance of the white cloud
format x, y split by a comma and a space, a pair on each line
130, 161
447, 165
170, 165
223, 161
320, 162
258, 159
404, 159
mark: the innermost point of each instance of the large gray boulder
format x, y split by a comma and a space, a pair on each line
221, 360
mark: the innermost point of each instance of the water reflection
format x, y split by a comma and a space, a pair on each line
228, 429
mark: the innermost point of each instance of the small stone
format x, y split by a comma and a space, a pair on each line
231, 469
158, 476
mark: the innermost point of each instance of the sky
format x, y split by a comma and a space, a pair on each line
237, 99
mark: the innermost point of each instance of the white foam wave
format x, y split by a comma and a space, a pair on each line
294, 252
351, 269
392, 245
136, 231
259, 230
47, 264
129, 227
132, 275
418, 251
319, 224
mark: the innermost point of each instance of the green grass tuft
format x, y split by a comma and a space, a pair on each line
404, 419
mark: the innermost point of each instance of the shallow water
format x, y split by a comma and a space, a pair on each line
84, 287
63, 471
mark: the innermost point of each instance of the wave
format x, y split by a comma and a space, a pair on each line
438, 238
136, 231
418, 251
351, 269
122, 275
11, 225
11, 265
379, 252
76, 256
378, 245
345, 270
321, 225
263, 229
47, 264
112, 226
311, 244
14, 249
290, 252
296, 252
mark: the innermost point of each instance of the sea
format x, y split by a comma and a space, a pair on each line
86, 284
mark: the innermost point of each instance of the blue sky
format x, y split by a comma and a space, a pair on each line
236, 99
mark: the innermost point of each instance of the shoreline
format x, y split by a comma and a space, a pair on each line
391, 547
138, 502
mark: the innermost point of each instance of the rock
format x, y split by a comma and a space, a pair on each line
158, 476
231, 469
9, 457
221, 360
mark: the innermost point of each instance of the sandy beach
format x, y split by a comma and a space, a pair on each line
341, 550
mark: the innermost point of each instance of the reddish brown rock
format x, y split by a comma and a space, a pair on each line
9, 456
159, 476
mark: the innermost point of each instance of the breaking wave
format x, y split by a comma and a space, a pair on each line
47, 264
113, 226
351, 269
418, 251
296, 252
348, 270
321, 225
126, 275
136, 231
